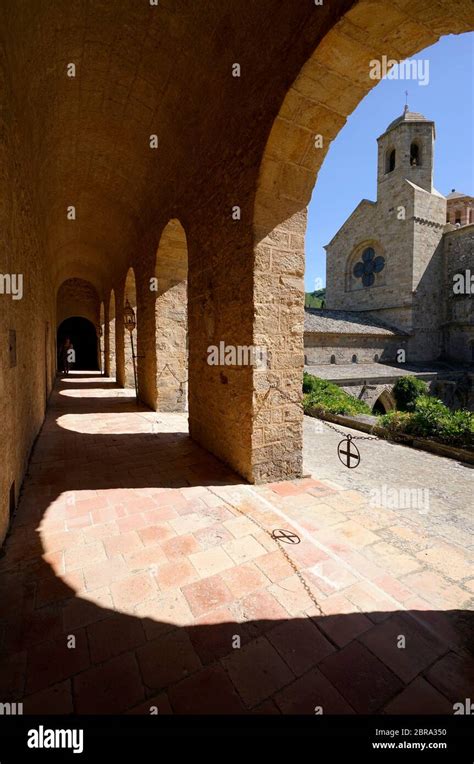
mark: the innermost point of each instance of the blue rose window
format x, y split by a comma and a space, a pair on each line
368, 267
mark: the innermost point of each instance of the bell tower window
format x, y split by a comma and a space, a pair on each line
415, 155
390, 161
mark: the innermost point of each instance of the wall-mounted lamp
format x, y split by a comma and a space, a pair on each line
129, 320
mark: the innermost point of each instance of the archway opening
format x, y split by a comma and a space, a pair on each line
383, 404
390, 162
83, 336
294, 153
415, 155
170, 391
378, 407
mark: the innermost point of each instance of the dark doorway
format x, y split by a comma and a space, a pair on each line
83, 336
378, 407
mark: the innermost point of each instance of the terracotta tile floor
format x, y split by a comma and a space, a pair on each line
130, 579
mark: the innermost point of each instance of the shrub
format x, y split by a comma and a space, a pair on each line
407, 390
432, 419
308, 382
326, 396
395, 422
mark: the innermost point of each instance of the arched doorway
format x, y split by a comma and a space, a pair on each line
384, 403
83, 335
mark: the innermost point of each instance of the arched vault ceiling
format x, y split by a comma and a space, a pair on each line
143, 70
164, 70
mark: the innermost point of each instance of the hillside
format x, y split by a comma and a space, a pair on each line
314, 299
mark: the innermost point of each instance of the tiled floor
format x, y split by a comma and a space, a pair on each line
140, 573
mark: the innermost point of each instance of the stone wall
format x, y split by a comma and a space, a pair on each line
375, 225
427, 273
322, 348
27, 325
458, 328
78, 297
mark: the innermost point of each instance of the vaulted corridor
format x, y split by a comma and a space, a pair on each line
156, 163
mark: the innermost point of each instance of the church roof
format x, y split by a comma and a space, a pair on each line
322, 321
457, 195
407, 116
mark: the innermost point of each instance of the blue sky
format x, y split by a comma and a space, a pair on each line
349, 172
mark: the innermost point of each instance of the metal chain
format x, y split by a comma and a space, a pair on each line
341, 432
283, 551
280, 546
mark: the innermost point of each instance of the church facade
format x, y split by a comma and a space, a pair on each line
400, 271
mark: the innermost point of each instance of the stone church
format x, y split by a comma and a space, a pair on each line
400, 271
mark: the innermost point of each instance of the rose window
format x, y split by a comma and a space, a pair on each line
366, 268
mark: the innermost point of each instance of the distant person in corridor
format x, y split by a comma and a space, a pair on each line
66, 355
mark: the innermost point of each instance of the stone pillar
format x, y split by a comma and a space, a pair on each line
248, 416
277, 416
119, 339
171, 350
110, 338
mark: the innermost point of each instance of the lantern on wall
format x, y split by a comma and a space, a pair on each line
130, 323
129, 320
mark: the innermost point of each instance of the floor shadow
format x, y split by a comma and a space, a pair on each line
68, 649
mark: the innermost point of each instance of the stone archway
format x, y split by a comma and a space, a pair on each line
82, 333
384, 403
330, 85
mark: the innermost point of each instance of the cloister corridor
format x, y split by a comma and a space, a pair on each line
159, 562
157, 160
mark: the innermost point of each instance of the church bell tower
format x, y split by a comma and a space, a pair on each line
405, 152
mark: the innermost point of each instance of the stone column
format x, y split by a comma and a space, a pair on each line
171, 351
250, 417
277, 416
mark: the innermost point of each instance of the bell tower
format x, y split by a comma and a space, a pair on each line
405, 152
